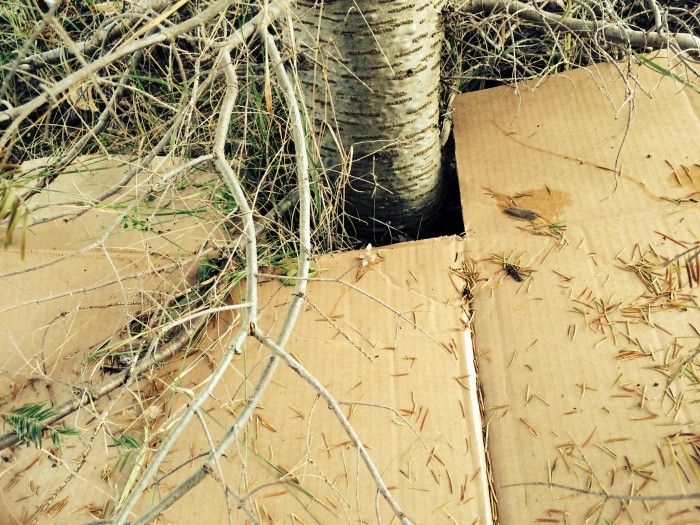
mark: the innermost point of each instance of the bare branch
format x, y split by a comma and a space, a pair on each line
613, 33
297, 296
231, 180
335, 407
124, 378
111, 29
605, 495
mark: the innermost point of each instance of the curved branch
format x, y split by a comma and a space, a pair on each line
231, 180
614, 33
297, 296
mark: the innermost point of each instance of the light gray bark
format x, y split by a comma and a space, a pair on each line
370, 73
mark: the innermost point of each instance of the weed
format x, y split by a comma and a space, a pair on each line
29, 423
128, 447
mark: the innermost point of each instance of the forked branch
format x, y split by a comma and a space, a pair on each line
617, 33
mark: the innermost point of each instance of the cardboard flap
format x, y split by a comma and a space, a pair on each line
383, 330
583, 219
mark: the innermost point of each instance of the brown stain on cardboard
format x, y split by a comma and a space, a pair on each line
546, 202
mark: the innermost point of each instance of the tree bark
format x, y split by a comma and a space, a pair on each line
370, 72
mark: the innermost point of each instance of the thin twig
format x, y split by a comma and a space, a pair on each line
605, 495
340, 415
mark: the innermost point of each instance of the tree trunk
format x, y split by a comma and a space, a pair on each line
370, 72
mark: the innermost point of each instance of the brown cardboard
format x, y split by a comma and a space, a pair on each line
389, 340
67, 301
52, 317
352, 338
578, 365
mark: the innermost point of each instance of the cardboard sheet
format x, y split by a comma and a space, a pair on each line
53, 317
383, 330
582, 224
55, 302
389, 345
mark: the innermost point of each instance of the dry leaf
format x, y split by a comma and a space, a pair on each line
82, 97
